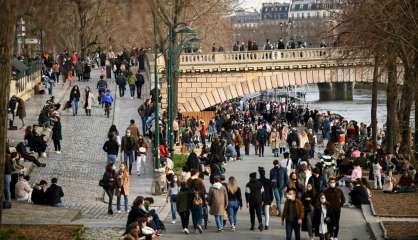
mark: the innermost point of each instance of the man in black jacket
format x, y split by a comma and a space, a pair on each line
54, 194
254, 199
38, 193
267, 195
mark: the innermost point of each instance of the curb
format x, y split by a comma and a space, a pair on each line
385, 232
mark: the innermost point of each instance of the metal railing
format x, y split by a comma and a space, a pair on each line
22, 83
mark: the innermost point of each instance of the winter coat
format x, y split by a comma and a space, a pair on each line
122, 181
192, 162
21, 109
56, 130
268, 190
279, 177
317, 219
253, 191
335, 197
184, 200
299, 210
235, 196
89, 101
128, 143
218, 199
274, 139
135, 213
75, 94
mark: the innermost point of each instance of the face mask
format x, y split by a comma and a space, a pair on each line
292, 197
128, 134
332, 185
323, 200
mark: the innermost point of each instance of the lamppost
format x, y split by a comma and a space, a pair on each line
180, 28
21, 34
156, 102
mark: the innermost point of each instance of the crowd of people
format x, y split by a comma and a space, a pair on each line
268, 45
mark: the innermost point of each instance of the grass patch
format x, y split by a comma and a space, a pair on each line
41, 232
179, 160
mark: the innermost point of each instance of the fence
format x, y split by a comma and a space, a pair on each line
205, 116
25, 83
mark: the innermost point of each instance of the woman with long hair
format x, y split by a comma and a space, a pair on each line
234, 201
122, 182
108, 183
74, 99
88, 101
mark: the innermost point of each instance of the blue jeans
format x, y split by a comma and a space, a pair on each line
74, 106
278, 195
125, 197
59, 205
173, 206
129, 159
112, 159
219, 220
232, 212
7, 193
121, 91
197, 216
132, 90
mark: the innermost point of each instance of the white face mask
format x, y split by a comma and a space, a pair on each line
292, 197
323, 200
332, 185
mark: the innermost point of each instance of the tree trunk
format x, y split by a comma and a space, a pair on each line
405, 110
374, 101
416, 108
7, 34
391, 105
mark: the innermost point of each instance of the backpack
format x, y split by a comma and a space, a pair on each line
140, 79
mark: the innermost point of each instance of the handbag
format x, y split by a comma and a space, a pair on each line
102, 183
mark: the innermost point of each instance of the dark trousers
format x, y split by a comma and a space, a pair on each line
57, 145
255, 209
31, 158
238, 150
109, 193
138, 91
132, 90
336, 215
15, 178
184, 216
290, 227
121, 91
261, 149
247, 149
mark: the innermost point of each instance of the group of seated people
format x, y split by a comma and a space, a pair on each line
143, 222
40, 193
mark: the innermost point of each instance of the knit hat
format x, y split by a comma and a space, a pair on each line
253, 175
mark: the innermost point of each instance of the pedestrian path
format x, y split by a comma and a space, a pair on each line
352, 223
82, 162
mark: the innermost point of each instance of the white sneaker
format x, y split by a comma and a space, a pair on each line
43, 154
58, 152
119, 211
186, 231
173, 222
132, 98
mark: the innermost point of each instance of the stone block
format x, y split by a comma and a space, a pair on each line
292, 80
256, 84
195, 94
216, 96
206, 85
250, 85
340, 75
191, 89
234, 93
197, 85
244, 86
240, 93
186, 94
262, 82
269, 82
211, 79
186, 85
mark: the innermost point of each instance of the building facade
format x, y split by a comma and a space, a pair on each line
275, 11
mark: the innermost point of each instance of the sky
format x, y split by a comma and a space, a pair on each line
257, 3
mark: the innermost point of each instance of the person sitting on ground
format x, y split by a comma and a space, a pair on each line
132, 232
155, 222
137, 211
21, 149
405, 184
230, 152
359, 195
38, 193
54, 194
390, 182
146, 231
23, 190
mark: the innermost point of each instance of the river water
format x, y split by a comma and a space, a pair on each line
359, 109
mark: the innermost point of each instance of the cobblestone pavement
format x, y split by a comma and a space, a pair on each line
82, 162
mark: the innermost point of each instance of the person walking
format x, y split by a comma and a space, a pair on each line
141, 159
234, 201
308, 199
122, 183
108, 182
323, 219
128, 148
198, 190
56, 132
218, 201
279, 180
292, 216
74, 99
88, 101
21, 111
238, 143
107, 101
336, 199
274, 142
121, 82
132, 84
262, 139
253, 196
111, 147
139, 83
183, 204
267, 196
172, 192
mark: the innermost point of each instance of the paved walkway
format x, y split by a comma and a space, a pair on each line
82, 162
352, 223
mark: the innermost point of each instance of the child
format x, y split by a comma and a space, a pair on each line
377, 172
172, 194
